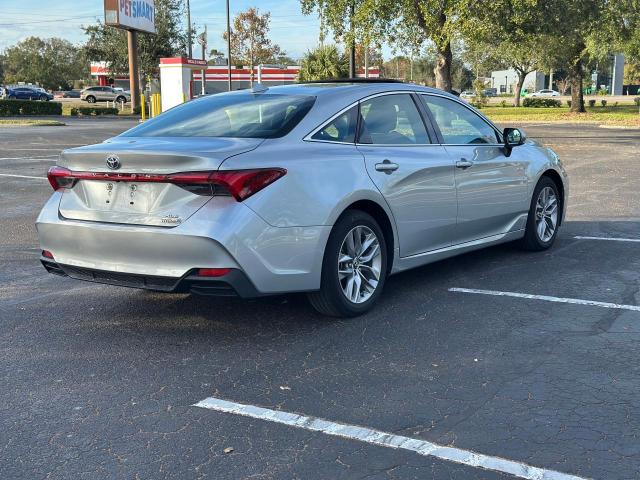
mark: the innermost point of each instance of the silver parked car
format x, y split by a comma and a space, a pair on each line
325, 188
105, 94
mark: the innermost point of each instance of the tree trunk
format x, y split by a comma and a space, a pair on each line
520, 84
577, 95
442, 70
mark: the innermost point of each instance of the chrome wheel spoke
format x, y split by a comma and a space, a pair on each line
375, 250
359, 264
546, 214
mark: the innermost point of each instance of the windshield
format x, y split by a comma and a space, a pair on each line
239, 115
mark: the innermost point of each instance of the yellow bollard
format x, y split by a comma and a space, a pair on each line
143, 108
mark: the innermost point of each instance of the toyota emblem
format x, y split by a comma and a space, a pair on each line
113, 162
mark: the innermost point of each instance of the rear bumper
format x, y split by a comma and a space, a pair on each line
218, 235
234, 283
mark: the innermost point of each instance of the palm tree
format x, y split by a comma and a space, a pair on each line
324, 62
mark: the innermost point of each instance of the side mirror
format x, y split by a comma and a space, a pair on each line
512, 138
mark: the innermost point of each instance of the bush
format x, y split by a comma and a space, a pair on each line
29, 107
603, 103
90, 111
541, 102
569, 103
503, 103
592, 103
637, 101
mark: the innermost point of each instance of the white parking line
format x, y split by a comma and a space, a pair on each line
547, 298
21, 176
39, 157
384, 439
611, 239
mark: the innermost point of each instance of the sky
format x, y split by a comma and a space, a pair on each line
294, 32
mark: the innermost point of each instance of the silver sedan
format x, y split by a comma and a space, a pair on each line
324, 188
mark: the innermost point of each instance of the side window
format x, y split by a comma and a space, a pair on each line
392, 120
459, 125
340, 129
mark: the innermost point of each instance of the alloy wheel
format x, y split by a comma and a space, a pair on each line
359, 264
546, 214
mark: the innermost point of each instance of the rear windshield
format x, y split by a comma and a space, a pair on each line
239, 115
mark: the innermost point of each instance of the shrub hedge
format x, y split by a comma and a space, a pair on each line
10, 108
89, 111
540, 102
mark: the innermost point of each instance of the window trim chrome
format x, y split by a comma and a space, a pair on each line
307, 138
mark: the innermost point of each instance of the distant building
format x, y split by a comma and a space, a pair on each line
216, 76
608, 77
505, 81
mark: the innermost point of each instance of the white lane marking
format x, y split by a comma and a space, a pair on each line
39, 157
611, 239
384, 439
548, 298
21, 176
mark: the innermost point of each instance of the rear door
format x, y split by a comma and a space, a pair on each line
414, 174
491, 187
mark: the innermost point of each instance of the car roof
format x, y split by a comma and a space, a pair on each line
355, 89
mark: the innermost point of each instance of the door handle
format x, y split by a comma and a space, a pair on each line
387, 167
464, 163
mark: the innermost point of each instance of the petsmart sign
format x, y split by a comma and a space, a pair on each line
131, 14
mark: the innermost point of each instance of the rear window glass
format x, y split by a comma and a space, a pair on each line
238, 115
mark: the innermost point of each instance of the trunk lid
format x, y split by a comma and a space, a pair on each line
140, 203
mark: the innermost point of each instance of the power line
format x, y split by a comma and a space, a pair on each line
47, 21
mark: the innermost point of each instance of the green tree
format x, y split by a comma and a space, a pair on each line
322, 63
109, 44
2, 62
509, 34
250, 43
407, 22
588, 31
51, 62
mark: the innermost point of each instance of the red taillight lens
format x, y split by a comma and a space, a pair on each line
47, 254
213, 272
239, 183
60, 177
244, 183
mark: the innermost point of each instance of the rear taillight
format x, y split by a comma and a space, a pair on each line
239, 183
60, 178
47, 254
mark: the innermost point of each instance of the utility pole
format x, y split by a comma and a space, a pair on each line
228, 46
190, 50
202, 40
352, 47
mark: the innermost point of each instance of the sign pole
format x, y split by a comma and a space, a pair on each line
229, 45
134, 81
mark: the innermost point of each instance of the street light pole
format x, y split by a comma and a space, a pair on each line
190, 50
228, 46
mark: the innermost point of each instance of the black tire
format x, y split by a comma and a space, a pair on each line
121, 99
43, 98
330, 299
91, 99
531, 240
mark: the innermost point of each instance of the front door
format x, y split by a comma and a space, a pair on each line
491, 187
415, 176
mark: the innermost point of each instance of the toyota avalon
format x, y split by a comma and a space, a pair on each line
324, 188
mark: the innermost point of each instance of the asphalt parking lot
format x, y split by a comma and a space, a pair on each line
101, 382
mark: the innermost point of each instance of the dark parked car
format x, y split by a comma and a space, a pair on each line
29, 93
67, 94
